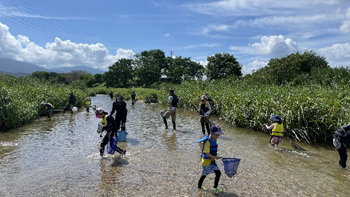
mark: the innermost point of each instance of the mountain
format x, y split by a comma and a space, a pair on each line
17, 68
12, 66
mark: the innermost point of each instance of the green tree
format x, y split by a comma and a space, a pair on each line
293, 67
222, 65
149, 67
181, 69
119, 73
52, 77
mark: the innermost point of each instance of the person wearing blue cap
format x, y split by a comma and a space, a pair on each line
277, 130
209, 155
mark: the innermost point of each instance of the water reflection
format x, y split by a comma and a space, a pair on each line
169, 141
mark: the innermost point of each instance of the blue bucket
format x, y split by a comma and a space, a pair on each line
122, 135
112, 145
231, 165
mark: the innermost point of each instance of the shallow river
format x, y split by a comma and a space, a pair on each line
60, 158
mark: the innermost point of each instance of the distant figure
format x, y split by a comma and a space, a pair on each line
111, 95
49, 107
71, 101
209, 155
173, 103
87, 104
119, 107
204, 110
109, 125
148, 100
277, 130
341, 140
133, 98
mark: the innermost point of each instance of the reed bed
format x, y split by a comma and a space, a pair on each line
310, 113
21, 98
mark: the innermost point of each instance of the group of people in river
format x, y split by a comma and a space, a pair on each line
209, 149
341, 137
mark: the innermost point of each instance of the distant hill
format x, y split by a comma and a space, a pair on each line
8, 66
17, 68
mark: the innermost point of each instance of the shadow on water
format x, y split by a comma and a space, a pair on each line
61, 158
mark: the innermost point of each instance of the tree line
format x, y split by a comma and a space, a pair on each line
150, 68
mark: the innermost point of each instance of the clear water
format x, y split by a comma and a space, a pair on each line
60, 158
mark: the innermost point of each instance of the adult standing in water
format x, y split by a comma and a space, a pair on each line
71, 101
341, 140
119, 107
110, 126
173, 103
204, 111
133, 97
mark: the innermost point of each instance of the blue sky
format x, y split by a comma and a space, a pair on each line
98, 33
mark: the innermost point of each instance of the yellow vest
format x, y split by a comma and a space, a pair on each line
46, 107
87, 103
104, 121
277, 130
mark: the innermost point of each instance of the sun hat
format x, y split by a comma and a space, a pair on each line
216, 130
99, 111
276, 118
204, 97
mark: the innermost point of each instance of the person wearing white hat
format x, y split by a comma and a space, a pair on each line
110, 126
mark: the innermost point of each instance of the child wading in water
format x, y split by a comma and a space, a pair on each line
277, 130
209, 155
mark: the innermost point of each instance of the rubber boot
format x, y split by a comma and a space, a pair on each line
174, 125
207, 125
165, 122
203, 130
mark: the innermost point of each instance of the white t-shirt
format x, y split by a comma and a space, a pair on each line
170, 100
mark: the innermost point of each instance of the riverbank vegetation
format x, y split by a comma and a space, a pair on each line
310, 95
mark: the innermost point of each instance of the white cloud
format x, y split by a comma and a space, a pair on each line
215, 27
242, 50
58, 53
345, 27
258, 7
337, 54
166, 35
202, 45
275, 46
253, 66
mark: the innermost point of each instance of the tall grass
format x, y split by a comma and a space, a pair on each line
21, 98
310, 113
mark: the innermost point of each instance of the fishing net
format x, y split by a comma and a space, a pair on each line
112, 145
231, 165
